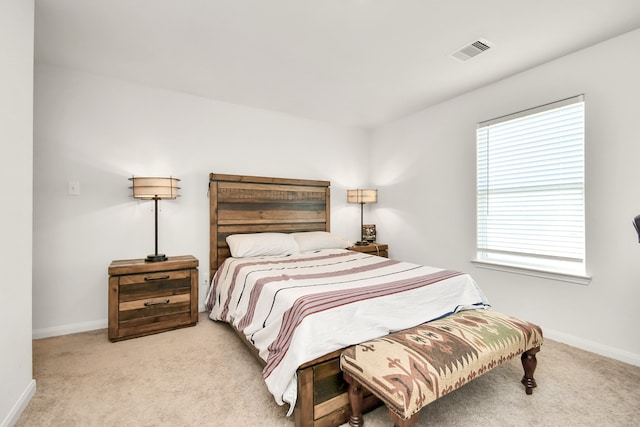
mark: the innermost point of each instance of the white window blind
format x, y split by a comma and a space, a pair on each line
530, 185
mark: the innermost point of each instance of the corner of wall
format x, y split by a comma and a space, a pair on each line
14, 414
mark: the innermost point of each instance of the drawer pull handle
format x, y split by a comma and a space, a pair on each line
157, 278
150, 303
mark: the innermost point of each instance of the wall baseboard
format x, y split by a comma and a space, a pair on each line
593, 347
14, 415
69, 329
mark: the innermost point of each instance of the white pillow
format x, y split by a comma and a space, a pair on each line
262, 244
314, 240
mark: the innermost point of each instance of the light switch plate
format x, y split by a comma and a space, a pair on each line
74, 188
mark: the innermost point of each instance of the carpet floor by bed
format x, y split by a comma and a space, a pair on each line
204, 376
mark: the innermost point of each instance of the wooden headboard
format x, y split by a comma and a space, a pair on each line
252, 204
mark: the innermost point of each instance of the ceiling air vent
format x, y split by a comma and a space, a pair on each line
472, 49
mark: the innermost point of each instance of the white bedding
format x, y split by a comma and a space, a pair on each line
297, 308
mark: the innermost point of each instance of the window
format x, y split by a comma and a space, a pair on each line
530, 189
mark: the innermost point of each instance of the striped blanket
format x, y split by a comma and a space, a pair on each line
297, 308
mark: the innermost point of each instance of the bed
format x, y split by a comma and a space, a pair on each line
306, 290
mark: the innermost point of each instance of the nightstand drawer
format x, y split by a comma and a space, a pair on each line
154, 307
140, 286
154, 277
154, 303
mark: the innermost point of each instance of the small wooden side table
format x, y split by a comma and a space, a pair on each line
150, 297
379, 249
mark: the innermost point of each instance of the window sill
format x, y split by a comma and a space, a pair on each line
564, 277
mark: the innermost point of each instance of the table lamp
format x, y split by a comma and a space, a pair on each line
146, 188
362, 197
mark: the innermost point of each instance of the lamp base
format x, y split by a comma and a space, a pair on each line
156, 258
362, 243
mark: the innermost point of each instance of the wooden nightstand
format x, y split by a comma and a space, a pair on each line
374, 248
150, 297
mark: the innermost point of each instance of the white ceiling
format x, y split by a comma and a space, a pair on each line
353, 62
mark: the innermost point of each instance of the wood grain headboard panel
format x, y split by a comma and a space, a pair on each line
252, 204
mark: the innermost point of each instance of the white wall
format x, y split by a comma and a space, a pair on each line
100, 131
425, 172
16, 136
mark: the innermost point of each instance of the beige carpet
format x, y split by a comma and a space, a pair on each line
204, 376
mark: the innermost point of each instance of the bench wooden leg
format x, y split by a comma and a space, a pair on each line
529, 363
401, 422
355, 401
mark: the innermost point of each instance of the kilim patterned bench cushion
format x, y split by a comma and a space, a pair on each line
409, 369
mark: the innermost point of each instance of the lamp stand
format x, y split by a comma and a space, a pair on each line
156, 257
362, 242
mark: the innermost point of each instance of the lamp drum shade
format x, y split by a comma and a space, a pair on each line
362, 196
154, 188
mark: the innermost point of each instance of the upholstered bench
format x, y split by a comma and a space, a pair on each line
411, 368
